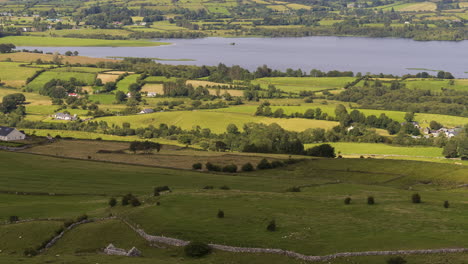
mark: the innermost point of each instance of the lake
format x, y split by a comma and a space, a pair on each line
375, 55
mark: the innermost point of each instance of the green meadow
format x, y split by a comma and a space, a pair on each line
216, 121
317, 221
75, 42
43, 78
295, 85
126, 82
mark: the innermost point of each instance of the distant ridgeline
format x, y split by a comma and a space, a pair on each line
441, 20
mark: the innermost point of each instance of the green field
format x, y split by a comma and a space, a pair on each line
43, 78
75, 42
437, 85
254, 199
329, 108
347, 148
295, 84
126, 82
80, 69
216, 121
11, 74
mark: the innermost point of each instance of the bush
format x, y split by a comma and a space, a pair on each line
212, 167
294, 189
112, 202
230, 168
324, 150
159, 189
208, 187
370, 200
197, 166
263, 165
396, 260
277, 164
416, 198
135, 202
81, 218
220, 214
247, 167
197, 249
347, 200
30, 252
225, 187
14, 218
271, 226
130, 199
68, 223
446, 204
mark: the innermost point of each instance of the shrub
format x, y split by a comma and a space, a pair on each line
396, 260
370, 200
324, 150
230, 168
30, 252
81, 218
277, 164
135, 202
208, 187
159, 189
347, 200
127, 199
158, 203
14, 218
271, 226
112, 202
197, 249
212, 167
220, 214
247, 167
225, 187
68, 223
416, 198
446, 204
197, 166
294, 189
263, 165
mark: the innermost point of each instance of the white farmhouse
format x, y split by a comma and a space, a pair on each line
10, 134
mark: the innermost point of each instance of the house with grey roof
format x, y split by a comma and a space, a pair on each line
65, 116
10, 134
147, 111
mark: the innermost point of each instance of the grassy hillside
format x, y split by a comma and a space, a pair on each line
317, 221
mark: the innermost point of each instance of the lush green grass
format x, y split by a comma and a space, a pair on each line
43, 78
216, 121
159, 79
13, 75
297, 84
80, 69
347, 148
255, 199
330, 106
75, 42
126, 82
436, 85
102, 98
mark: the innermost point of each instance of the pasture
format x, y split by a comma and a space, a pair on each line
43, 78
125, 83
254, 199
14, 75
298, 84
216, 121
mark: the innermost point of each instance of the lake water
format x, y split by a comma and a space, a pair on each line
375, 55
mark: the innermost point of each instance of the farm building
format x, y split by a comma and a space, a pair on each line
64, 116
10, 134
147, 111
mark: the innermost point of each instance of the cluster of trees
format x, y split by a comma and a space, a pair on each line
145, 146
7, 48
57, 88
397, 97
457, 147
13, 102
